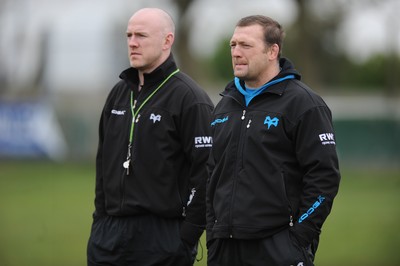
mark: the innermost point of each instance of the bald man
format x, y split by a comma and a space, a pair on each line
154, 140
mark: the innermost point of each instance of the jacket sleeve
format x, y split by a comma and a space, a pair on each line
99, 201
315, 146
197, 142
210, 214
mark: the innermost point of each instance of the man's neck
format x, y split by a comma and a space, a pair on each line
267, 76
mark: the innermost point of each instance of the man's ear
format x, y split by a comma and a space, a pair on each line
273, 52
169, 40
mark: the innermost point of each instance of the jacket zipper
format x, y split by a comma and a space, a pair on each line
126, 172
287, 199
122, 184
239, 155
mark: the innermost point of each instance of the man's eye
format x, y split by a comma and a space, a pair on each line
142, 36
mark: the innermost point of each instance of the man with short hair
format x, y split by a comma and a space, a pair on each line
154, 141
273, 167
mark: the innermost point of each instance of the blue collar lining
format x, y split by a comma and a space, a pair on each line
249, 94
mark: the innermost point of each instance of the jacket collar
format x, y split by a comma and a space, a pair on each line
131, 75
287, 68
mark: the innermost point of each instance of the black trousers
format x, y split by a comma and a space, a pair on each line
139, 241
278, 250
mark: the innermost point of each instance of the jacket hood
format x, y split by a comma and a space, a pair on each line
287, 68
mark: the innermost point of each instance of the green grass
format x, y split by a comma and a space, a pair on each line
362, 228
45, 213
45, 216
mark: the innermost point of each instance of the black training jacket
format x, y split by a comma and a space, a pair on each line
171, 144
273, 164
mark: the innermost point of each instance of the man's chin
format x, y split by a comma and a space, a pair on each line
239, 74
136, 65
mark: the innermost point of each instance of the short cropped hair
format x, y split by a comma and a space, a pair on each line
273, 31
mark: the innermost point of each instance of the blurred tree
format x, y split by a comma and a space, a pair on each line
221, 61
187, 61
310, 43
312, 46
378, 73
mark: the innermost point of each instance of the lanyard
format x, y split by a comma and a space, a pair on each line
134, 114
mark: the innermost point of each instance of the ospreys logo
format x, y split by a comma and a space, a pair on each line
155, 118
271, 121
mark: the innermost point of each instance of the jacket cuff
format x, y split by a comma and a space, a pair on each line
304, 234
191, 233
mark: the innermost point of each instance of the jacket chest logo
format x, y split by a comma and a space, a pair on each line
220, 121
118, 112
155, 118
271, 121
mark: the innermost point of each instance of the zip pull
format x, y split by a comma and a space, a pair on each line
137, 119
248, 124
291, 221
243, 115
183, 212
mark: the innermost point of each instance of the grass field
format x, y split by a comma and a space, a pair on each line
45, 216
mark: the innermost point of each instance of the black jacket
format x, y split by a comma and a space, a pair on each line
273, 164
171, 143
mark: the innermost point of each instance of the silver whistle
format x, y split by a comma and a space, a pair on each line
126, 166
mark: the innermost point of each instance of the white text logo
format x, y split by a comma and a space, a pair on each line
327, 138
118, 112
203, 142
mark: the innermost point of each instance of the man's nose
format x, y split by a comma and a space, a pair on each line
235, 51
132, 42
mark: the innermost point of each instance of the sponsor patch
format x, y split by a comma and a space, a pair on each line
327, 139
203, 142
